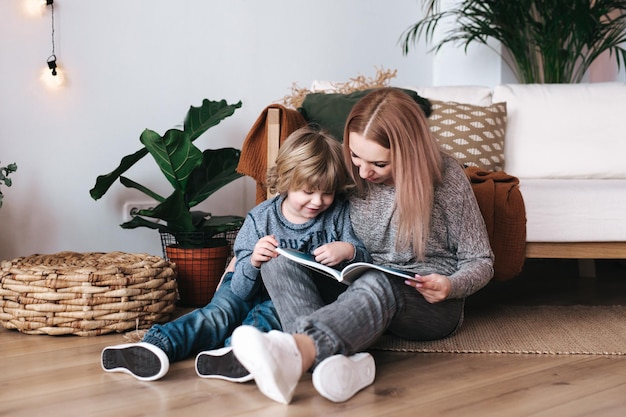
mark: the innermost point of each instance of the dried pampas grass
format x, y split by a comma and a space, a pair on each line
358, 83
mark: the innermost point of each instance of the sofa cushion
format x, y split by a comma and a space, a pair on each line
471, 94
565, 130
574, 210
474, 135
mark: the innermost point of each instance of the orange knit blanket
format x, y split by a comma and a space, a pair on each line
502, 207
253, 160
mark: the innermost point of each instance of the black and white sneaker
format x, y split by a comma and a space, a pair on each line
144, 361
221, 364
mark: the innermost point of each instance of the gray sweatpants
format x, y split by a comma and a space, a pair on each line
348, 319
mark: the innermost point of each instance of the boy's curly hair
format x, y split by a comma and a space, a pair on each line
310, 159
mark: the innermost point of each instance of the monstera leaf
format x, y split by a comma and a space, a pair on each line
175, 155
218, 168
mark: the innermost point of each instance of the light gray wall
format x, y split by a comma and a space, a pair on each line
135, 64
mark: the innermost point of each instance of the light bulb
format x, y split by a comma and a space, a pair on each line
34, 7
52, 81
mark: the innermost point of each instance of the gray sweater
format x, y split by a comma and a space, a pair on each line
267, 219
458, 245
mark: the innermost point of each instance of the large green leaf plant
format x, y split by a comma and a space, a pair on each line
193, 174
543, 41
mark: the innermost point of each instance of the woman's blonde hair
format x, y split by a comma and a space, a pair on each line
310, 159
392, 119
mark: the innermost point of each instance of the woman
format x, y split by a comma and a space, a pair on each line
414, 211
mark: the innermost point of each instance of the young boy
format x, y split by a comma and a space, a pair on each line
305, 215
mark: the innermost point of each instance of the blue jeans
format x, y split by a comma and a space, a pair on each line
360, 313
211, 326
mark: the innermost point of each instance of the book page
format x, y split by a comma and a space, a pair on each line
353, 271
309, 261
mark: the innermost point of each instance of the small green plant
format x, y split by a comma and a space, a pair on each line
543, 41
193, 174
4, 177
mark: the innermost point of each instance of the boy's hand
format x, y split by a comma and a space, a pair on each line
334, 253
264, 250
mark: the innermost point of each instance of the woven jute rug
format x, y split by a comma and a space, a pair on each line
550, 330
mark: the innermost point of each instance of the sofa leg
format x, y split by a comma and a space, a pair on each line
587, 268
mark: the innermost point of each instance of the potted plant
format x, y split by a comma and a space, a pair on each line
195, 240
4, 177
542, 41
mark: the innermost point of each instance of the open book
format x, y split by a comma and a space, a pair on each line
346, 275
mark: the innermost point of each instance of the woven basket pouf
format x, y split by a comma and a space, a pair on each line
86, 294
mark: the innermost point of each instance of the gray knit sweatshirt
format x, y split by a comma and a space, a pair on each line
267, 219
458, 245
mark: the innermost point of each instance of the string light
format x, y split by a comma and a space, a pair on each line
54, 77
52, 59
52, 64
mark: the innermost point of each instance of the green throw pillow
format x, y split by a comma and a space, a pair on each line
330, 111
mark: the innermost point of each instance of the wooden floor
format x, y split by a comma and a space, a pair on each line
61, 376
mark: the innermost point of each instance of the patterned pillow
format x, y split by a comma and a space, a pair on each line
474, 135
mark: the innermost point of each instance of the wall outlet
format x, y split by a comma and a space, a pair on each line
132, 206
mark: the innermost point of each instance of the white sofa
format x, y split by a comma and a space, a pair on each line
567, 145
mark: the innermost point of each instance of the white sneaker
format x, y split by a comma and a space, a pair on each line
221, 364
339, 377
144, 361
272, 358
